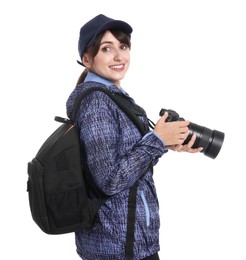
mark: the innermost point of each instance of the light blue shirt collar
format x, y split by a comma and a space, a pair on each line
91, 76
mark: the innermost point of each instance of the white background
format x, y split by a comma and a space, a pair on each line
186, 55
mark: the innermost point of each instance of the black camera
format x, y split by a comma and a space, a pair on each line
210, 140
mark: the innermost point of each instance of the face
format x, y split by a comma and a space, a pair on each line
112, 60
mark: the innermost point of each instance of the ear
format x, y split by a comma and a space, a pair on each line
86, 61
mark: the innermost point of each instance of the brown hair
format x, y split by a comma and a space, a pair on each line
93, 49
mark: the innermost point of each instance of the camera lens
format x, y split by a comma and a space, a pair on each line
210, 140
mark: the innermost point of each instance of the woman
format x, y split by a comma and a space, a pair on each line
117, 154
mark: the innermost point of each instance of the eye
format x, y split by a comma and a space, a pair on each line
124, 47
106, 49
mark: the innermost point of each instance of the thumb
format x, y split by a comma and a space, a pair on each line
165, 116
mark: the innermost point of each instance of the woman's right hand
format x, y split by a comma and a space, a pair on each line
172, 133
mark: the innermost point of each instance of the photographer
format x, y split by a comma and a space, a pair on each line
117, 154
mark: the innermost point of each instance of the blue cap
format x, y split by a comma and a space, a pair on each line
97, 25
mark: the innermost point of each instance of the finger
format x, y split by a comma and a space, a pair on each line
179, 124
178, 148
192, 141
182, 123
195, 150
182, 137
165, 116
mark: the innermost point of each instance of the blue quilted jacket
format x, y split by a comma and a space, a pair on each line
117, 156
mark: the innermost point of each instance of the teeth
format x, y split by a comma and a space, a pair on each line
117, 67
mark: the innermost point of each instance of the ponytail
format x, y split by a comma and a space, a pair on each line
82, 77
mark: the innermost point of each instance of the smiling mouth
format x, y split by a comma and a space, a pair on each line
117, 67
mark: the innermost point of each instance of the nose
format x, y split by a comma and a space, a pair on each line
118, 55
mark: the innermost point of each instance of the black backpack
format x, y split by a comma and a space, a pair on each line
58, 198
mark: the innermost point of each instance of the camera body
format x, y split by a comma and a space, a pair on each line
210, 140
172, 115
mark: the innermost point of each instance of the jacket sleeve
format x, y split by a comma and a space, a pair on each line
100, 134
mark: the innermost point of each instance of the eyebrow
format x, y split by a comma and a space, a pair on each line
106, 42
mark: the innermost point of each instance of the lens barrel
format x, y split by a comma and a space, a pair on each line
210, 140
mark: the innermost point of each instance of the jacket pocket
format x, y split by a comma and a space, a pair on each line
146, 207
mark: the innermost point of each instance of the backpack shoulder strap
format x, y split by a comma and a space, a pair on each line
122, 101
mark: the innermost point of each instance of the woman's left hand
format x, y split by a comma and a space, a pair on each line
186, 147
